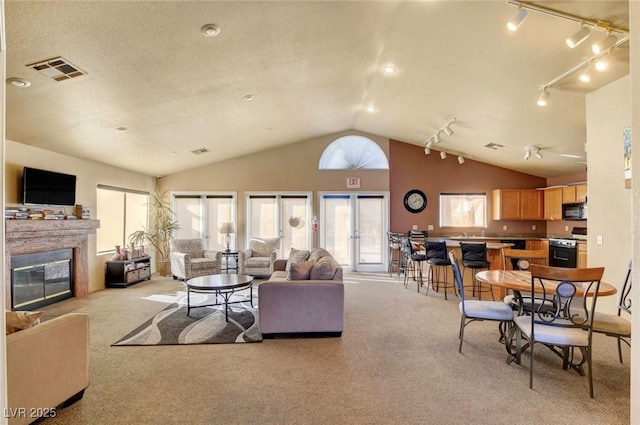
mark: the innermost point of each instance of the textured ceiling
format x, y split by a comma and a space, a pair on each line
312, 66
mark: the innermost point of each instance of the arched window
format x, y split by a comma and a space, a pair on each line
353, 152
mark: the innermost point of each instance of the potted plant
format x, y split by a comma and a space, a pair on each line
162, 225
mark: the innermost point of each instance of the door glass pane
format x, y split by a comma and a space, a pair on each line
370, 213
294, 224
219, 210
337, 222
262, 213
189, 216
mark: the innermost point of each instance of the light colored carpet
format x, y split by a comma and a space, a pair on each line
397, 362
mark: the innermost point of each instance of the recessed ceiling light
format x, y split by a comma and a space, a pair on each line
248, 97
389, 69
267, 130
210, 30
18, 82
371, 109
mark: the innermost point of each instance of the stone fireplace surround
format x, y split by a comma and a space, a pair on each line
29, 236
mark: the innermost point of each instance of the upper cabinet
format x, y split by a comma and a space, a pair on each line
553, 203
517, 204
577, 193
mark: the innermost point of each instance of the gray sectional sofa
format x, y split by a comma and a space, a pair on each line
306, 299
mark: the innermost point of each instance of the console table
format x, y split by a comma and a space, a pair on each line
120, 274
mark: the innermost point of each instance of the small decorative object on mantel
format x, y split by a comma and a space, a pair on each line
116, 255
83, 212
133, 250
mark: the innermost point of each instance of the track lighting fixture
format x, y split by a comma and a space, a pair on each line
615, 37
446, 129
460, 159
577, 38
443, 155
427, 150
604, 43
517, 19
601, 65
528, 150
543, 99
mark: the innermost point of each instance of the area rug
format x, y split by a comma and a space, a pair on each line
204, 325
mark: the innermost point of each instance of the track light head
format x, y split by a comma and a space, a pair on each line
427, 150
517, 19
460, 160
528, 150
436, 138
527, 154
601, 65
538, 154
447, 130
430, 143
603, 44
443, 155
585, 77
544, 98
577, 38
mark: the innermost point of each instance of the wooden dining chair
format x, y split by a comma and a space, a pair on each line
521, 259
569, 325
477, 310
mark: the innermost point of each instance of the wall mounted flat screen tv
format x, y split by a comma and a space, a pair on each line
41, 187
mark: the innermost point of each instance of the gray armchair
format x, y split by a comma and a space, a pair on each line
258, 259
189, 259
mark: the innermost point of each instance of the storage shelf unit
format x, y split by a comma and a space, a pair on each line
120, 274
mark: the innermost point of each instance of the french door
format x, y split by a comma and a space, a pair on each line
283, 215
353, 228
200, 216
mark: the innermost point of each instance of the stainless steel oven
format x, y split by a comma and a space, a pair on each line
563, 253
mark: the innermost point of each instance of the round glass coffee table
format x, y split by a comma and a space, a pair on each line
221, 285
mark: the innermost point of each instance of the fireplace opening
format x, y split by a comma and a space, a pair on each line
41, 278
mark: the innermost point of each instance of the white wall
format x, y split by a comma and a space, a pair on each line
89, 174
608, 113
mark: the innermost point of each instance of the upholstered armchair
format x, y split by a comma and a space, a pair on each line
258, 259
189, 259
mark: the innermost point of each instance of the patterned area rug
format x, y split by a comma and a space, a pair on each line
204, 325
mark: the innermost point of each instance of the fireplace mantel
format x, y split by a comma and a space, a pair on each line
29, 236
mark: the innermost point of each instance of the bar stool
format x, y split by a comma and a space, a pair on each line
413, 261
394, 252
438, 260
474, 257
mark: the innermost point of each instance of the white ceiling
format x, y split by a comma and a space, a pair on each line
313, 67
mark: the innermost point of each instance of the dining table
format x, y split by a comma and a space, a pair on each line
519, 281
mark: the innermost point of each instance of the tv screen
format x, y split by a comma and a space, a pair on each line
43, 187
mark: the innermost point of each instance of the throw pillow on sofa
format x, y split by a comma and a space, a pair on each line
19, 320
297, 256
323, 269
300, 271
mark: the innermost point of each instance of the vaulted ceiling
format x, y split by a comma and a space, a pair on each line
156, 88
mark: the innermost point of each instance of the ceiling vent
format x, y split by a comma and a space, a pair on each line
200, 151
493, 146
58, 68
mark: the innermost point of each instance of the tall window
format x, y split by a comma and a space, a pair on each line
463, 210
121, 212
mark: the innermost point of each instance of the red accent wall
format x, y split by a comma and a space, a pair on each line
410, 168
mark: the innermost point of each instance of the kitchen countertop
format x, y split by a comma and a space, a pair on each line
456, 243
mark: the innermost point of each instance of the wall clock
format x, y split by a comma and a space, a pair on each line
415, 201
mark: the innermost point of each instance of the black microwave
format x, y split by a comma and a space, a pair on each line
577, 211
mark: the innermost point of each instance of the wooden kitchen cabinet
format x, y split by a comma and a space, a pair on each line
553, 203
532, 204
517, 204
581, 193
576, 193
582, 255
